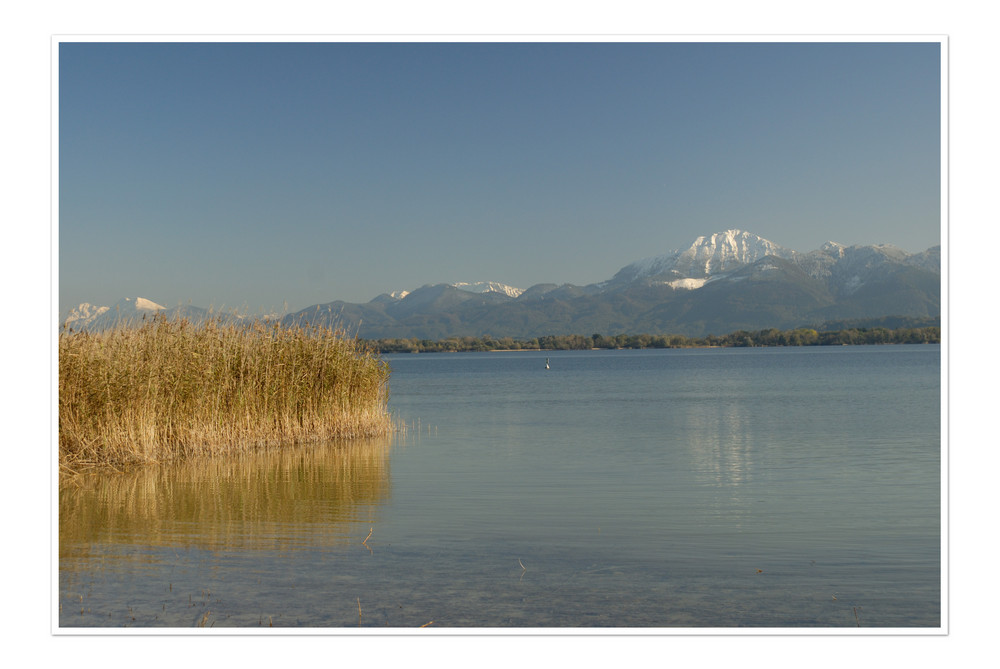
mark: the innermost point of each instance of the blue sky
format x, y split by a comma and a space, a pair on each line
254, 174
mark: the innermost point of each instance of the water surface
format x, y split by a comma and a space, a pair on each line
782, 487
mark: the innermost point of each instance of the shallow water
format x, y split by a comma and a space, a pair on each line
785, 487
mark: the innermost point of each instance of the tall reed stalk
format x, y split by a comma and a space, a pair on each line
170, 389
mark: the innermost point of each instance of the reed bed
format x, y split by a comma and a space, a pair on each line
169, 389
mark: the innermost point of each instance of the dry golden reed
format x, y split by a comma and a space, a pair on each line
170, 389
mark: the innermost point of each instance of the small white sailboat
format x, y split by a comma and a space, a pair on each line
546, 363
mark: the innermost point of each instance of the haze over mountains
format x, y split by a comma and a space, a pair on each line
128, 311
721, 283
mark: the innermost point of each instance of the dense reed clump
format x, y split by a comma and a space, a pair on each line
170, 389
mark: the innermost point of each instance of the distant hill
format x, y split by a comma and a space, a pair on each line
728, 281
133, 311
723, 282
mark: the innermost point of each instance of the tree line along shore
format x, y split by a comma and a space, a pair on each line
740, 338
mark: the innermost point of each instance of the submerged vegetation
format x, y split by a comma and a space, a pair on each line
169, 390
771, 337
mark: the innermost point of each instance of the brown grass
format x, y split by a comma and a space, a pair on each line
169, 389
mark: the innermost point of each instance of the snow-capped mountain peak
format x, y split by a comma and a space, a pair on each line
87, 315
83, 313
725, 250
138, 304
489, 286
833, 249
707, 255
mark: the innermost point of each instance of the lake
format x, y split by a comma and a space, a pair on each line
675, 489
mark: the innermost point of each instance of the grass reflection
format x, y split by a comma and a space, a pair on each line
266, 500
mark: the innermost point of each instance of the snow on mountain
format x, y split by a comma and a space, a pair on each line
83, 314
88, 316
844, 269
833, 249
929, 260
733, 256
724, 251
707, 255
390, 298
134, 306
489, 286
687, 283
142, 304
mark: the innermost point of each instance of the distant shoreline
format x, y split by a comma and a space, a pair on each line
539, 350
769, 338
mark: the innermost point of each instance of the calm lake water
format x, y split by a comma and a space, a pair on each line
719, 488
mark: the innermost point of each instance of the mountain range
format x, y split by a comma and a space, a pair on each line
728, 281
131, 311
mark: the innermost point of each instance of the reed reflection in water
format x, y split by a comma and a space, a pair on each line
211, 540
277, 499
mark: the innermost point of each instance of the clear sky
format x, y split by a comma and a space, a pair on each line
255, 174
